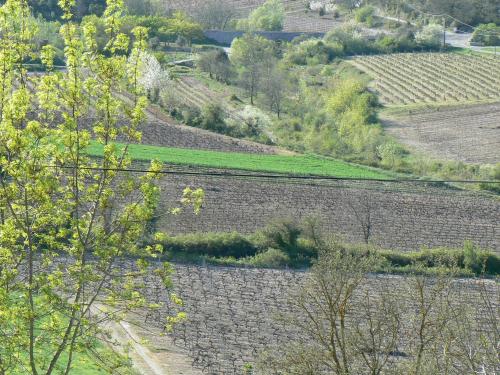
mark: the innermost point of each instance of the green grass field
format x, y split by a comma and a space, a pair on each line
289, 164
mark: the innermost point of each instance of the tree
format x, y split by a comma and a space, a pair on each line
250, 53
344, 320
487, 34
329, 340
152, 77
71, 222
216, 63
215, 14
270, 16
50, 10
181, 25
430, 36
275, 88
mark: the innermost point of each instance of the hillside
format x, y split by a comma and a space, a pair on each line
402, 79
437, 105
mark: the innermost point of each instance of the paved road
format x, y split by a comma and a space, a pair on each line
458, 40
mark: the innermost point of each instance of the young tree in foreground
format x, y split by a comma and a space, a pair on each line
344, 320
69, 219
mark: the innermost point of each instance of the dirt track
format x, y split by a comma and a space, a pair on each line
470, 134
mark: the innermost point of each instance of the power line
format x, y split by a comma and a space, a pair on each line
270, 176
449, 16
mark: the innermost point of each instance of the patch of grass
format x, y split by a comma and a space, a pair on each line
290, 164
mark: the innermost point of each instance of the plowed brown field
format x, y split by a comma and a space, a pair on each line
469, 134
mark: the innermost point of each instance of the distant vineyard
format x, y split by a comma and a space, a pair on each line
297, 16
402, 79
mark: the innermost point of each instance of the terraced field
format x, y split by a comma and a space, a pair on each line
195, 93
412, 78
470, 134
297, 18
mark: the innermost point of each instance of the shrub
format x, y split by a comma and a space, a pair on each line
212, 118
472, 258
487, 34
430, 36
313, 51
364, 14
211, 244
269, 16
272, 258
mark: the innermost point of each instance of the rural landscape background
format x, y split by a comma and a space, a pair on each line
249, 187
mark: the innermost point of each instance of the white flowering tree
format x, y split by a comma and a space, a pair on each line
151, 75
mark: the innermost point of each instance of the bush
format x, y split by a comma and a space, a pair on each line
211, 244
430, 36
313, 51
487, 34
272, 258
364, 15
268, 17
213, 118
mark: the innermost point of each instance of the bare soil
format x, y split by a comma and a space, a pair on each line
468, 133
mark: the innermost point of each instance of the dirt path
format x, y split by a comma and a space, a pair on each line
156, 356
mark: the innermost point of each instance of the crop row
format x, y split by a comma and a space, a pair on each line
437, 77
231, 312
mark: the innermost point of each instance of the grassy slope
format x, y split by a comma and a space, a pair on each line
296, 164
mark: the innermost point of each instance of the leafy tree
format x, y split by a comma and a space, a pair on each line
270, 16
250, 54
215, 14
180, 25
430, 36
275, 88
488, 34
71, 221
212, 118
329, 336
50, 10
216, 63
152, 77
365, 15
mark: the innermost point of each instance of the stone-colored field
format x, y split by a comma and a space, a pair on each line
232, 312
469, 134
402, 216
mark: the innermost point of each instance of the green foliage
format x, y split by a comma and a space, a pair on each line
50, 10
365, 15
312, 52
211, 244
160, 29
181, 25
349, 41
294, 164
487, 34
216, 63
352, 127
271, 258
251, 54
67, 219
285, 243
430, 36
268, 17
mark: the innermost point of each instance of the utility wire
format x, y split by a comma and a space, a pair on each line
269, 176
449, 16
